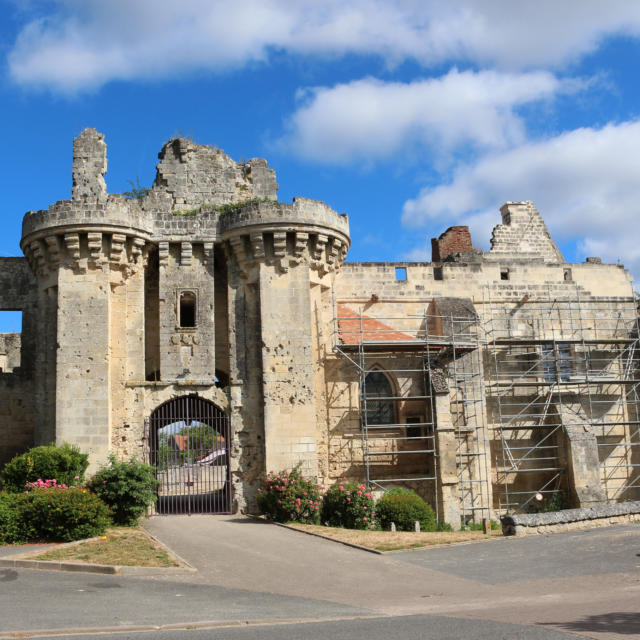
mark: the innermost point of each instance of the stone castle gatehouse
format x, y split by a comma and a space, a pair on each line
219, 333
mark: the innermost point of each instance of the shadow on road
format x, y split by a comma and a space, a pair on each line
622, 622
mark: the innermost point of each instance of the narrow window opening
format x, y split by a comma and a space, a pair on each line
187, 319
379, 404
567, 275
401, 274
437, 273
10, 340
504, 274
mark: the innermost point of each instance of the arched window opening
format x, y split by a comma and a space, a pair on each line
379, 404
187, 312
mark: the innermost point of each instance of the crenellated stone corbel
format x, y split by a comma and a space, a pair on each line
280, 250
39, 256
53, 249
163, 254
257, 246
301, 243
118, 241
72, 243
333, 251
208, 253
239, 251
94, 242
137, 248
318, 251
186, 254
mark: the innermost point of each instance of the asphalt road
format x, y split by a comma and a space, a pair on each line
405, 627
253, 576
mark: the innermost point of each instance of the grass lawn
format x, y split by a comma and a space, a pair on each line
124, 546
394, 540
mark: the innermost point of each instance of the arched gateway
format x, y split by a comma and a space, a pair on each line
189, 446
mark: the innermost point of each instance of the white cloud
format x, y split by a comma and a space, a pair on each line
369, 119
82, 44
584, 182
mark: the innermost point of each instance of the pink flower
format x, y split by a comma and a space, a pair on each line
104, 482
365, 519
365, 508
348, 499
359, 493
341, 488
76, 477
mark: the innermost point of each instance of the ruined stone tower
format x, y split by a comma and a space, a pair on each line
183, 291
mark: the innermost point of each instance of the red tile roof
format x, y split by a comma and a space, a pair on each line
354, 328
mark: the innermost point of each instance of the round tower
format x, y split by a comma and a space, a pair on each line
203, 286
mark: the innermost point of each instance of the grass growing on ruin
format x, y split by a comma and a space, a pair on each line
394, 540
123, 546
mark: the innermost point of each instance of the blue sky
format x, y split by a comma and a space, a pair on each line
410, 116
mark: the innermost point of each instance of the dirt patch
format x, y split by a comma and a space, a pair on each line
121, 546
394, 540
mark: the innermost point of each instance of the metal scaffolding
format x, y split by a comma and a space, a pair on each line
560, 362
398, 426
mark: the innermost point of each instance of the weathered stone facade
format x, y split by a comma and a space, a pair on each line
208, 285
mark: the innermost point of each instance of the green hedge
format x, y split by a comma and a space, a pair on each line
128, 488
52, 515
9, 533
64, 463
404, 508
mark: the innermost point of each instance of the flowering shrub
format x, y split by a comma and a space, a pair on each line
127, 487
58, 516
64, 463
404, 507
289, 496
349, 505
48, 484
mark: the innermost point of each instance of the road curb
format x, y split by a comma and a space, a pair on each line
353, 545
24, 561
177, 626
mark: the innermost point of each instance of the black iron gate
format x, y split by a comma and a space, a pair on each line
189, 446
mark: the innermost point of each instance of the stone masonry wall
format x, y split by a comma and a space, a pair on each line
522, 233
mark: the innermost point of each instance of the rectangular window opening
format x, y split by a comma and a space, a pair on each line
504, 274
187, 310
401, 274
10, 340
437, 273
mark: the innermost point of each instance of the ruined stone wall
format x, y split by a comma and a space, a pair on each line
522, 233
18, 417
193, 174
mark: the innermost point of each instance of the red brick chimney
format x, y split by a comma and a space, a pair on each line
453, 240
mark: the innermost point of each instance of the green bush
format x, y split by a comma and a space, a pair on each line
128, 488
8, 528
59, 516
442, 526
289, 496
404, 507
65, 463
350, 506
